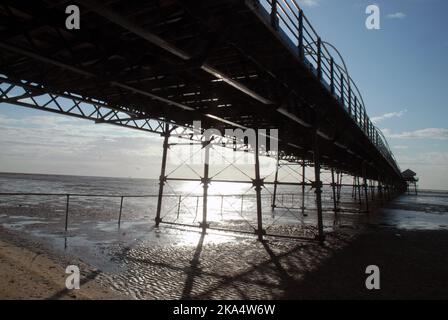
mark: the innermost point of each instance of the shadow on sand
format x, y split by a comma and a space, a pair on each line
413, 265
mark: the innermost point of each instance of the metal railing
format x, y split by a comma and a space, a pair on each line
286, 16
177, 207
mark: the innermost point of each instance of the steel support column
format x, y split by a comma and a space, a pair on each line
258, 183
335, 201
339, 180
358, 187
274, 195
380, 191
318, 191
388, 191
366, 193
205, 180
162, 178
303, 188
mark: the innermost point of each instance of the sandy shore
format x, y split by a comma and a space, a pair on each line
413, 265
33, 274
138, 261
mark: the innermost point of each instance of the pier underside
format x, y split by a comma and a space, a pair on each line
157, 66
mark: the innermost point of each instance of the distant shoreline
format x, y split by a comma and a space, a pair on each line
132, 178
433, 190
72, 175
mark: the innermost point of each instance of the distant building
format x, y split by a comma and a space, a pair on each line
411, 179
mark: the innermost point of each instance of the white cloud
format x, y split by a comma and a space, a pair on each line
428, 133
431, 168
389, 115
64, 145
309, 3
434, 158
399, 147
56, 144
396, 15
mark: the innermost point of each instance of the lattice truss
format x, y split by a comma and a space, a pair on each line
37, 96
188, 207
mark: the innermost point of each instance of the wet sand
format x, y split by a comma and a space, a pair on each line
27, 272
242, 269
141, 262
413, 265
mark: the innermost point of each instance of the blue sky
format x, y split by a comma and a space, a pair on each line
400, 70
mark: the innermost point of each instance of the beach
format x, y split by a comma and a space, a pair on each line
28, 272
407, 240
413, 265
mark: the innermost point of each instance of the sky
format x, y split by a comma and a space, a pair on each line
400, 70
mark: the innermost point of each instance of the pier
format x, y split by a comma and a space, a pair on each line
159, 66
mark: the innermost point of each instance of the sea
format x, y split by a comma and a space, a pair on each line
229, 205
